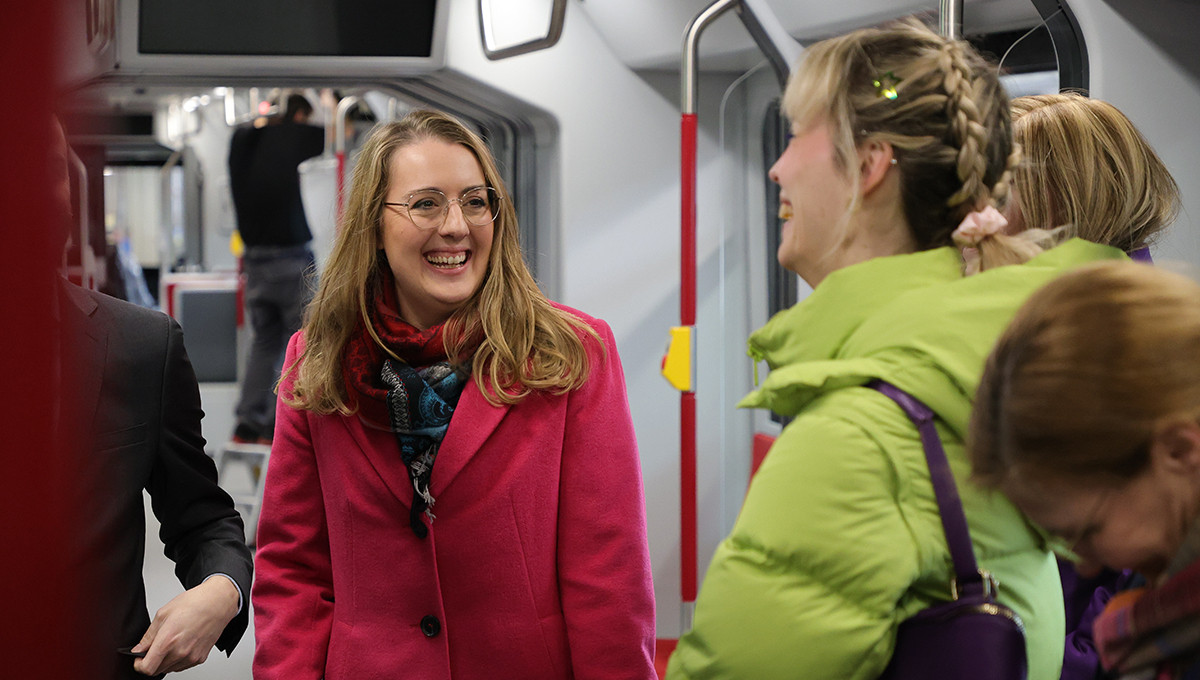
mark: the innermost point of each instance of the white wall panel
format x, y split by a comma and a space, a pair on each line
618, 244
1160, 96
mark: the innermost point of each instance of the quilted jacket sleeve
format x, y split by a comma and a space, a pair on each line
293, 591
808, 583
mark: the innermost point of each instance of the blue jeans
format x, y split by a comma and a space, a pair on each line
280, 281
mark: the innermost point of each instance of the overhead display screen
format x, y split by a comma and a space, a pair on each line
342, 28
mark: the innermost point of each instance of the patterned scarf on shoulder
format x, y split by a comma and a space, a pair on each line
1155, 632
414, 398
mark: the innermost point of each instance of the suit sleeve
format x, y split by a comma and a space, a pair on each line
293, 594
200, 528
810, 581
604, 562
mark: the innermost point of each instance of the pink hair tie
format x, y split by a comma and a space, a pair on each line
977, 226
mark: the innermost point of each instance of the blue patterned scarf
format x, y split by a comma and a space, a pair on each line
420, 403
413, 396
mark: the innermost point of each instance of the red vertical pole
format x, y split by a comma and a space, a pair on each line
687, 465
687, 272
687, 400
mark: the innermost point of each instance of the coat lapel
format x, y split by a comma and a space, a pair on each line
381, 450
473, 422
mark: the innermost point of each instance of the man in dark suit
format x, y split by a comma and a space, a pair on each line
129, 395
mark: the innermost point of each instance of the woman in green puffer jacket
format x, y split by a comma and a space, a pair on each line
901, 151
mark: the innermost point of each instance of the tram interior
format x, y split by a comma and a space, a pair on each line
586, 130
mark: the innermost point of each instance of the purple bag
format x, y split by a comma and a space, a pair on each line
972, 636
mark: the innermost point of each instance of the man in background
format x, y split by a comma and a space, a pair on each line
278, 263
128, 411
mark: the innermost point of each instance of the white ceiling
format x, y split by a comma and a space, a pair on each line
648, 34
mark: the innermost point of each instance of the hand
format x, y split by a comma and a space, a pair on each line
184, 631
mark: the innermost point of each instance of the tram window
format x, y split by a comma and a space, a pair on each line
1028, 50
348, 28
782, 290
1028, 60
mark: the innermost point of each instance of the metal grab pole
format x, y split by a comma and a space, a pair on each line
339, 147
950, 19
688, 526
252, 100
688, 556
679, 364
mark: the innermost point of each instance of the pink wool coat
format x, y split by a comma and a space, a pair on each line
535, 567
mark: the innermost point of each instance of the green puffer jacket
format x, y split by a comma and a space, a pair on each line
839, 539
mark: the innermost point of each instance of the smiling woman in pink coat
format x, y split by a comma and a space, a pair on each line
454, 487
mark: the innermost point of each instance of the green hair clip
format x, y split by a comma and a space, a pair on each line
886, 85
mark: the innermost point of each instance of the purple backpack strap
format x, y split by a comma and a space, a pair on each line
1141, 255
954, 522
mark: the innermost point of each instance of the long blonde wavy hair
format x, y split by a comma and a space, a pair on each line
947, 122
527, 344
1088, 370
1086, 165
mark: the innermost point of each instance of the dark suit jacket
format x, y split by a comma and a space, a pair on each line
129, 391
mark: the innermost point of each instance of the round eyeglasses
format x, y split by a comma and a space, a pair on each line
428, 208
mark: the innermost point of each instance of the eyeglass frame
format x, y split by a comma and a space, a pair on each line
495, 208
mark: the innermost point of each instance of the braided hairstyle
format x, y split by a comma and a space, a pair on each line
941, 107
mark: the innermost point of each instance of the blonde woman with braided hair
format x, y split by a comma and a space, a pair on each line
454, 488
900, 156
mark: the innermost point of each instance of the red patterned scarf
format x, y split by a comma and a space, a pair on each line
413, 396
363, 358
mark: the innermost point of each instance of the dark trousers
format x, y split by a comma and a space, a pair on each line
279, 284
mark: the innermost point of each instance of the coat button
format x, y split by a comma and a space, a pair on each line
430, 626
